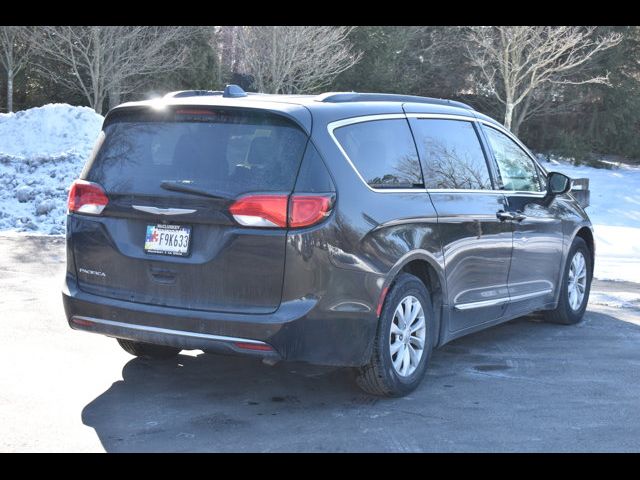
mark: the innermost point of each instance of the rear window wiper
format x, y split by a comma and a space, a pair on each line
187, 186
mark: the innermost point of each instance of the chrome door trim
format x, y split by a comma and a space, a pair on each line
484, 303
500, 301
527, 296
163, 211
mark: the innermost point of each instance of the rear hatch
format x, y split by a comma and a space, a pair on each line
167, 236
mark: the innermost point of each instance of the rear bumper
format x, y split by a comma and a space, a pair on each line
174, 338
293, 332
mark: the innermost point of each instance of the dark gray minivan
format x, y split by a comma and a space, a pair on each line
360, 230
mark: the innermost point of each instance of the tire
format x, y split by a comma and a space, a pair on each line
380, 376
148, 350
566, 313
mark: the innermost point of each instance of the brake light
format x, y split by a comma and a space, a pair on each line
87, 197
308, 210
261, 210
271, 210
194, 111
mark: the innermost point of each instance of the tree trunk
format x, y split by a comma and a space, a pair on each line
515, 125
274, 54
523, 111
10, 91
114, 97
98, 101
508, 115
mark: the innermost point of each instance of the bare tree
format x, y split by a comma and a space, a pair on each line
15, 46
225, 41
292, 59
516, 61
110, 61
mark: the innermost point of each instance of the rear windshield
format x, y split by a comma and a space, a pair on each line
225, 152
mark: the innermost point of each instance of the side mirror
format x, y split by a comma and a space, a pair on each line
558, 183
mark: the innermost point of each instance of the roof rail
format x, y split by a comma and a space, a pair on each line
341, 97
192, 93
230, 91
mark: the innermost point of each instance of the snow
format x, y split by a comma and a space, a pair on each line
42, 150
615, 299
615, 214
52, 130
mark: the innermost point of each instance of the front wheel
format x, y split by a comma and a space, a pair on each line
404, 340
575, 287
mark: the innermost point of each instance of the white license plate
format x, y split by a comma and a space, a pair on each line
168, 240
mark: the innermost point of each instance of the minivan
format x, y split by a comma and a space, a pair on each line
360, 230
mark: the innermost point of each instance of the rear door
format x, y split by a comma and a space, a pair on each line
537, 225
475, 242
166, 236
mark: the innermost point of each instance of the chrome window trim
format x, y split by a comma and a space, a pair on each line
524, 148
523, 193
445, 116
496, 125
368, 118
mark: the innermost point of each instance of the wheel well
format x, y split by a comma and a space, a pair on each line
587, 236
425, 272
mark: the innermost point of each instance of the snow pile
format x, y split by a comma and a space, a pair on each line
615, 214
42, 150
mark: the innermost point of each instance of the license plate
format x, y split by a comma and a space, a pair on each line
168, 240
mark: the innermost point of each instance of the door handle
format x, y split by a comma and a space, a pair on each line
517, 216
502, 215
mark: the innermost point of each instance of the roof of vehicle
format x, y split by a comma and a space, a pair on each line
307, 109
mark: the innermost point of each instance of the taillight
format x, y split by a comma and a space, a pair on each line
261, 210
87, 197
308, 210
271, 210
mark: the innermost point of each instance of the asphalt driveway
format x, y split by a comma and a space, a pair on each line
521, 386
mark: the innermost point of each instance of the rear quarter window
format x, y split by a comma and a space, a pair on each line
383, 152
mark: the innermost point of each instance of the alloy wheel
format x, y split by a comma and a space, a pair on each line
577, 281
407, 336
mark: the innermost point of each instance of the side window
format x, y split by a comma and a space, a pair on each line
516, 169
451, 154
383, 152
